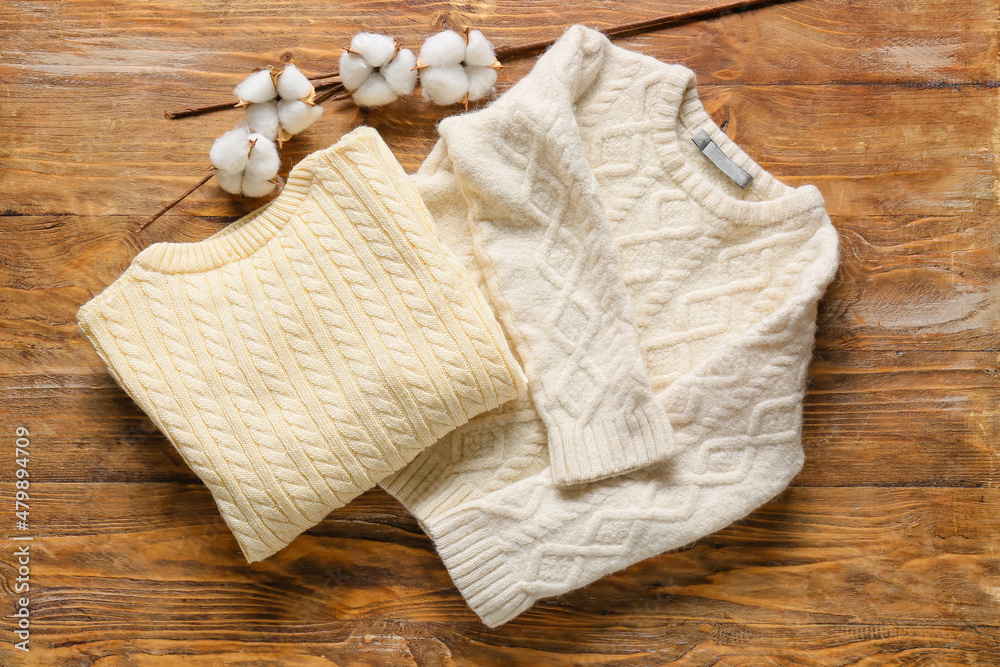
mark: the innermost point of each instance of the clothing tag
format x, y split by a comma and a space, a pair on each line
720, 159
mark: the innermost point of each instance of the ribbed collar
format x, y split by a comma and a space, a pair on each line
583, 62
249, 233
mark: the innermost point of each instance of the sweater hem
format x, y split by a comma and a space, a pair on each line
478, 566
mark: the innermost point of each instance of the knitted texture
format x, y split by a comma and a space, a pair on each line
717, 286
309, 349
546, 244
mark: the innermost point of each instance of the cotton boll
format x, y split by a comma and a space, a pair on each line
481, 81
400, 74
263, 119
293, 84
256, 88
229, 181
479, 52
444, 85
374, 92
353, 70
444, 48
378, 50
263, 162
295, 115
255, 187
229, 152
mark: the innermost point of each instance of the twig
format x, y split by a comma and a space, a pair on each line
699, 14
197, 111
333, 95
330, 75
173, 203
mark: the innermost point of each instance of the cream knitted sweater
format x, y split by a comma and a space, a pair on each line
646, 294
309, 349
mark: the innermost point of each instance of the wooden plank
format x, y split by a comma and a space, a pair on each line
902, 419
852, 431
815, 576
905, 283
914, 283
141, 161
937, 42
815, 41
813, 555
882, 153
387, 643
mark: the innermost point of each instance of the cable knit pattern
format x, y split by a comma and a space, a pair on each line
722, 287
309, 349
552, 268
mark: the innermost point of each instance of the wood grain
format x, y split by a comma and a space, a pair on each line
841, 559
878, 154
949, 397
884, 550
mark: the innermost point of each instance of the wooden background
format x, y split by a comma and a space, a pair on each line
885, 549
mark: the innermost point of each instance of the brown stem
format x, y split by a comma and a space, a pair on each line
333, 95
328, 75
173, 203
197, 111
688, 16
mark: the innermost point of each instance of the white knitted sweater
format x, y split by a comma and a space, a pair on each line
623, 265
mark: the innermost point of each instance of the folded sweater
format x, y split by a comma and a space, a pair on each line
309, 349
623, 264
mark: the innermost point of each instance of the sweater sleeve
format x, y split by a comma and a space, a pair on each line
547, 251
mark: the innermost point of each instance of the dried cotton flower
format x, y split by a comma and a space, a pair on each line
354, 69
263, 118
444, 84
253, 187
245, 162
278, 105
374, 92
456, 68
444, 48
376, 71
231, 151
256, 88
291, 84
263, 161
294, 116
479, 52
376, 49
400, 73
481, 81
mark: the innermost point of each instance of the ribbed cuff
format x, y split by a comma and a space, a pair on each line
480, 567
610, 447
